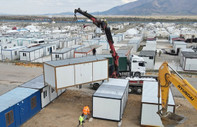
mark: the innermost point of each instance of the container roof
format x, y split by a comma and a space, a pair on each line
147, 53
75, 60
87, 49
150, 92
114, 88
110, 91
62, 51
36, 83
31, 49
14, 96
190, 54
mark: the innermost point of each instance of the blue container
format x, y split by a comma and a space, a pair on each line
18, 105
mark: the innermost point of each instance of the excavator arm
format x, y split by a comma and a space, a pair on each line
103, 25
165, 79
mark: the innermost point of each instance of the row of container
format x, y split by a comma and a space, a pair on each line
25, 101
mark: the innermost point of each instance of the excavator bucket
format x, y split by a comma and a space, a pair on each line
172, 119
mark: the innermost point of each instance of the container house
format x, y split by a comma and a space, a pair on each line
76, 71
12, 53
149, 58
87, 51
149, 116
178, 45
188, 61
44, 90
62, 54
31, 54
135, 42
18, 105
110, 99
48, 48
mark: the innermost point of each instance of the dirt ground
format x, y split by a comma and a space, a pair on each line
11, 76
65, 110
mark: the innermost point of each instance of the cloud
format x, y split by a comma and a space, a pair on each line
56, 6
127, 1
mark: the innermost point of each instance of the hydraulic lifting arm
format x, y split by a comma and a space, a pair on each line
103, 25
166, 78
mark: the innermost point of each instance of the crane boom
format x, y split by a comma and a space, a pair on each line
103, 25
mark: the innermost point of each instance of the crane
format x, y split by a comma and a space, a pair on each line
165, 78
103, 25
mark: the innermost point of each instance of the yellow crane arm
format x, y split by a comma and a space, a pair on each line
166, 78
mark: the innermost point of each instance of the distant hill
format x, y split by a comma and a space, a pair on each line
155, 7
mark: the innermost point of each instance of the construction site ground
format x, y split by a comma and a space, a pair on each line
65, 110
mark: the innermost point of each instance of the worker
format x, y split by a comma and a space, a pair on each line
86, 112
159, 53
94, 51
81, 120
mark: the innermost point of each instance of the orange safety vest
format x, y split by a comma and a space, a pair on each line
86, 110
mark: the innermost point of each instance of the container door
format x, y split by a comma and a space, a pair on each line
24, 111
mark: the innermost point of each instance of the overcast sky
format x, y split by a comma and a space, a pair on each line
56, 6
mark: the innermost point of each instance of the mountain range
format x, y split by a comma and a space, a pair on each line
155, 7
151, 7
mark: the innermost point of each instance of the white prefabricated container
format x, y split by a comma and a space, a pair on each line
110, 99
88, 51
38, 83
189, 61
62, 54
65, 73
179, 45
12, 53
31, 54
149, 116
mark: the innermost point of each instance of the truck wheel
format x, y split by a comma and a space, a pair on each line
131, 90
96, 86
139, 90
137, 74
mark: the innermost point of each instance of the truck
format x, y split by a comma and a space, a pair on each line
120, 66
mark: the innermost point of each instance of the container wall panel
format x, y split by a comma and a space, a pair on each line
191, 64
106, 108
149, 116
83, 73
100, 70
65, 76
45, 97
49, 74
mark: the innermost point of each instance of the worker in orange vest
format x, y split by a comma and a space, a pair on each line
86, 112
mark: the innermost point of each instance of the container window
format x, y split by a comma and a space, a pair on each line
9, 118
150, 57
141, 64
24, 54
45, 94
15, 53
56, 56
33, 102
52, 90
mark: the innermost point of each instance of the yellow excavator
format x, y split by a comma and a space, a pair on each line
165, 79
